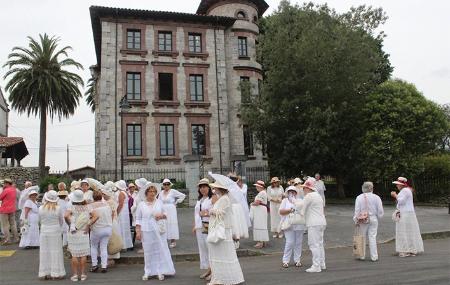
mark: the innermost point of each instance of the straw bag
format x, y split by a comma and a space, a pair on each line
115, 243
358, 243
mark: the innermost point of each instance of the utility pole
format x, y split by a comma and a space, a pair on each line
67, 172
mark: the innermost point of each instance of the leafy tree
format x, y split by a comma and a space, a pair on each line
318, 67
39, 83
91, 93
401, 126
445, 143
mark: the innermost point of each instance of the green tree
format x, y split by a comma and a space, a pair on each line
39, 83
91, 93
318, 67
445, 143
401, 126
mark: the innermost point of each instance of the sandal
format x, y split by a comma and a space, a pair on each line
94, 269
285, 265
298, 264
74, 278
83, 277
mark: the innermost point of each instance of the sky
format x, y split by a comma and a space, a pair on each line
418, 41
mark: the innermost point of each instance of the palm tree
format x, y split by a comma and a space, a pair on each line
91, 93
39, 84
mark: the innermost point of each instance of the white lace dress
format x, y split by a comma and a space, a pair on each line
31, 237
170, 200
51, 259
224, 263
258, 214
124, 220
78, 241
275, 197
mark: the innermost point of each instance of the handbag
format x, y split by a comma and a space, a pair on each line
358, 243
115, 243
396, 216
216, 232
82, 221
205, 227
161, 226
363, 217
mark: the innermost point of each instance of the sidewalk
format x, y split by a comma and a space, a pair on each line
339, 232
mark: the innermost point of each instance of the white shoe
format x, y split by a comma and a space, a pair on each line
237, 244
161, 277
323, 266
313, 269
144, 278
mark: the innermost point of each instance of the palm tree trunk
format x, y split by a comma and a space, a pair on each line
42, 142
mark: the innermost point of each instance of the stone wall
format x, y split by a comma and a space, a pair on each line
21, 174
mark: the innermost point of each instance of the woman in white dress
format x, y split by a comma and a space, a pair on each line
408, 240
150, 229
30, 221
275, 194
124, 215
77, 217
109, 197
201, 224
63, 203
244, 201
51, 258
258, 214
368, 210
224, 263
294, 234
239, 225
170, 198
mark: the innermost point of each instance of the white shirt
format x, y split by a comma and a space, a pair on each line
313, 210
202, 205
104, 213
405, 200
288, 205
172, 197
373, 205
320, 187
145, 215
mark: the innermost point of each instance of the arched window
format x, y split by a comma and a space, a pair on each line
241, 15
255, 18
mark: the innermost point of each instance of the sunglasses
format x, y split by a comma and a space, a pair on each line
166, 184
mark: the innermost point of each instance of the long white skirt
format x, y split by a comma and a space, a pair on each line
125, 229
172, 222
239, 222
202, 249
157, 256
51, 259
275, 217
224, 263
407, 234
31, 237
258, 214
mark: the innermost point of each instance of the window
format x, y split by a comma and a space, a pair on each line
134, 140
133, 86
245, 88
196, 87
195, 42
241, 15
133, 39
198, 140
166, 140
242, 46
248, 141
165, 41
165, 84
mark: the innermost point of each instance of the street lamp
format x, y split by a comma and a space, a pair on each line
124, 106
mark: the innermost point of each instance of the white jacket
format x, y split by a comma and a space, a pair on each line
313, 210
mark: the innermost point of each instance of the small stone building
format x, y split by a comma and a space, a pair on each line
181, 73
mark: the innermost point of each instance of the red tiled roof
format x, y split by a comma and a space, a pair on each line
10, 141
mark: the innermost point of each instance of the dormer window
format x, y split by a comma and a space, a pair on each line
241, 15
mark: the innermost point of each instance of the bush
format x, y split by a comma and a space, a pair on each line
43, 184
436, 165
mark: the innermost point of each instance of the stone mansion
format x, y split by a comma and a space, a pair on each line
181, 75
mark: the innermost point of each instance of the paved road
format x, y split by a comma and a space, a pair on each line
433, 267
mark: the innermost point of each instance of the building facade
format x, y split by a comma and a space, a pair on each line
181, 74
4, 111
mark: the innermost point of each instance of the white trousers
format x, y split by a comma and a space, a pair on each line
369, 231
99, 239
315, 242
294, 240
202, 249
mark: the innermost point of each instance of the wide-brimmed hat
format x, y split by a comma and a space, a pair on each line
141, 182
148, 185
7, 180
111, 185
94, 184
204, 181
260, 183
292, 188
121, 185
76, 184
167, 180
63, 193
33, 192
297, 181
310, 183
217, 184
275, 180
51, 196
401, 181
76, 196
84, 181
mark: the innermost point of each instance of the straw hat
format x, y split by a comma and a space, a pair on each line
275, 180
33, 192
75, 185
217, 184
260, 183
167, 180
76, 196
51, 196
297, 181
63, 193
310, 183
131, 185
401, 181
204, 181
121, 185
7, 180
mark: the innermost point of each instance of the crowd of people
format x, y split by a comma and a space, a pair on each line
103, 220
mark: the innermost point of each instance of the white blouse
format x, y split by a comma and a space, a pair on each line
104, 213
145, 215
204, 204
405, 200
173, 197
51, 220
373, 205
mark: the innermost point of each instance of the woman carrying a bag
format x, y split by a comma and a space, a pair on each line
294, 233
151, 230
368, 210
224, 263
408, 240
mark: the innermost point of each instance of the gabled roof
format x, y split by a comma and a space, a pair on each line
204, 6
98, 12
15, 147
87, 167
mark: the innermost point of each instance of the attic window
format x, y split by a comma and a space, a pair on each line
241, 15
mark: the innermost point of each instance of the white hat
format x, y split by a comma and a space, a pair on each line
76, 184
76, 196
84, 181
297, 181
32, 192
51, 196
140, 182
167, 180
94, 184
121, 185
401, 181
111, 185
217, 184
292, 188
108, 189
148, 185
